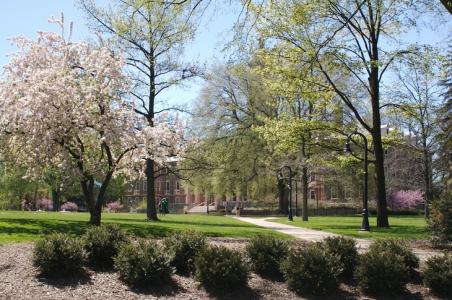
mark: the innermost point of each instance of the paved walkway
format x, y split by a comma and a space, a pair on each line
317, 235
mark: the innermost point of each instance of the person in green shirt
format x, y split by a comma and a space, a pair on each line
164, 206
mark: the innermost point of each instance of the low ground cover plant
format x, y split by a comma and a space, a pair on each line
400, 248
221, 268
266, 254
382, 272
312, 270
345, 249
59, 254
143, 263
102, 244
437, 274
183, 248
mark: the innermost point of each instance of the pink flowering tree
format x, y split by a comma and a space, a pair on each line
64, 105
408, 199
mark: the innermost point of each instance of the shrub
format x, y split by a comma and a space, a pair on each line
69, 206
438, 274
114, 206
183, 248
440, 220
102, 243
143, 263
221, 268
45, 204
59, 254
312, 270
408, 199
400, 248
266, 254
381, 272
345, 249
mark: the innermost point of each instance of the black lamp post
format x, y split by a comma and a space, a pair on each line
347, 150
289, 186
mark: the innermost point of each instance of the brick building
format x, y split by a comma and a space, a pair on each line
167, 185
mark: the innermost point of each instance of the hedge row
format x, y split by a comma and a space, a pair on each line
315, 269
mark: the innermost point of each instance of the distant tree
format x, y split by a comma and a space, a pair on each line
416, 96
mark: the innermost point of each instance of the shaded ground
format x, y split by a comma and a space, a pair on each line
18, 226
18, 280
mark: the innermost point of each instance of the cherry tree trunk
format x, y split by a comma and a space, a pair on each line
150, 194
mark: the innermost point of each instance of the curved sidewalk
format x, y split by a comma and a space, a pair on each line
317, 235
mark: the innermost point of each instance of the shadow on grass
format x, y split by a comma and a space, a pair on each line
73, 280
140, 228
163, 221
170, 289
43, 227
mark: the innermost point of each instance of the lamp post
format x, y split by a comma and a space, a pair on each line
289, 186
347, 150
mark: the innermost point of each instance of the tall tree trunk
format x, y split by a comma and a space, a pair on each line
427, 182
56, 193
88, 192
151, 211
304, 181
382, 210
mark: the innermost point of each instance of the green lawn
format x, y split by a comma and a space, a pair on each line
17, 226
404, 227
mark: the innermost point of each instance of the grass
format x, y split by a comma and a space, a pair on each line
404, 227
17, 226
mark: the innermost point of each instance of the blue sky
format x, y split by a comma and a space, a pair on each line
26, 17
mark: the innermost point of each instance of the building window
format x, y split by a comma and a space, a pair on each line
137, 186
177, 186
176, 200
167, 187
333, 193
312, 177
145, 185
312, 195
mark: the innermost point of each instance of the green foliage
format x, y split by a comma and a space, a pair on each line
312, 270
143, 263
59, 254
381, 272
440, 219
400, 248
266, 254
218, 267
184, 247
437, 274
102, 244
345, 249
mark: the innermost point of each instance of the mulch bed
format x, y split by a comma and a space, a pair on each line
20, 280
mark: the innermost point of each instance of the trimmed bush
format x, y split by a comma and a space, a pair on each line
440, 220
102, 243
345, 249
143, 263
312, 270
221, 268
183, 248
59, 254
437, 274
400, 248
266, 254
382, 272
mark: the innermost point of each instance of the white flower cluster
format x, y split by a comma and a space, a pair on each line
64, 105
